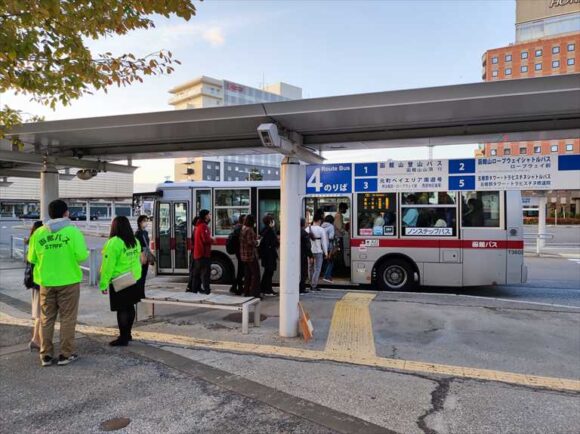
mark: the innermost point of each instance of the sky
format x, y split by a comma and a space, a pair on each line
327, 48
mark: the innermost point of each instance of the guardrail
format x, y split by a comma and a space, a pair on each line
538, 237
93, 262
92, 228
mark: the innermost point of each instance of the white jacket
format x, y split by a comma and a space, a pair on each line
320, 242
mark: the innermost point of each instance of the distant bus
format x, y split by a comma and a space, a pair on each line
394, 240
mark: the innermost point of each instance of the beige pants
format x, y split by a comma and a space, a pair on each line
63, 301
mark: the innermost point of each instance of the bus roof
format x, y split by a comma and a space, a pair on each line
217, 184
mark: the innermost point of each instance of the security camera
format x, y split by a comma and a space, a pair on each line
86, 174
269, 136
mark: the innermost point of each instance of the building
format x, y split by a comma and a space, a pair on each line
106, 194
547, 43
204, 92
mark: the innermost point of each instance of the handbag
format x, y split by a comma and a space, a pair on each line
144, 258
123, 281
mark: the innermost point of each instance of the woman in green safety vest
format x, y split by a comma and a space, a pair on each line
120, 271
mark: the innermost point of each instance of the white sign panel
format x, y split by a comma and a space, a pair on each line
521, 172
420, 175
431, 232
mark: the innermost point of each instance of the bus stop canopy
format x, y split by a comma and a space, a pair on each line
512, 110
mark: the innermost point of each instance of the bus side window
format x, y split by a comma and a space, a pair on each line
429, 213
377, 214
480, 209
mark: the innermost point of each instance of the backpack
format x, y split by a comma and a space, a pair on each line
28, 279
233, 242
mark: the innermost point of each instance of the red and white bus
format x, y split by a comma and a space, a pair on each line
394, 240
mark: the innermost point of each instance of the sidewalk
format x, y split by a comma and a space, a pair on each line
407, 363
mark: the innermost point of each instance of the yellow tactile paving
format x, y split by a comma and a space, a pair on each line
351, 329
551, 383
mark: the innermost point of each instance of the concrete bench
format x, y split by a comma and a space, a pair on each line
211, 301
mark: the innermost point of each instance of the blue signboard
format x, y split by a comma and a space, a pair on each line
329, 178
523, 172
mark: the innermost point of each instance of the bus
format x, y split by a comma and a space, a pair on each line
393, 240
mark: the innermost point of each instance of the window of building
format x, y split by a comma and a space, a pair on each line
508, 71
571, 47
556, 64
524, 68
229, 205
493, 152
538, 53
508, 57
377, 214
570, 62
431, 214
523, 151
237, 169
208, 166
229, 178
569, 147
537, 149
554, 148
507, 151
494, 59
480, 209
538, 66
494, 73
269, 171
555, 50
276, 172
524, 54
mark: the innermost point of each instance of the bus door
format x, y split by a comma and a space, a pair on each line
330, 205
173, 231
484, 237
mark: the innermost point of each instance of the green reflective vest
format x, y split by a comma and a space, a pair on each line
57, 256
118, 259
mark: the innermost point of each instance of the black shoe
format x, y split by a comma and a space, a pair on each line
62, 360
130, 337
189, 290
119, 343
233, 290
46, 360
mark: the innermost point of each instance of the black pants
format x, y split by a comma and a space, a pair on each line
266, 283
238, 285
303, 274
190, 286
125, 320
252, 279
201, 275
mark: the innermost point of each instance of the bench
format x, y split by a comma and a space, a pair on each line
207, 301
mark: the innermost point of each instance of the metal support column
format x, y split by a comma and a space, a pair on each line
113, 210
289, 247
48, 189
540, 241
88, 219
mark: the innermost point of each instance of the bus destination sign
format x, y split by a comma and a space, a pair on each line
524, 172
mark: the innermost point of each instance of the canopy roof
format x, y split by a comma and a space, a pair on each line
527, 109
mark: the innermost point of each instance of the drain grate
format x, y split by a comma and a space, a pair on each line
115, 424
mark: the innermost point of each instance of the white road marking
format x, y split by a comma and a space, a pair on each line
576, 260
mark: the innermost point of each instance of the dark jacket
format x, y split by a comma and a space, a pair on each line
268, 248
143, 238
248, 241
305, 245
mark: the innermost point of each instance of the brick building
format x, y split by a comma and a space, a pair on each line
547, 43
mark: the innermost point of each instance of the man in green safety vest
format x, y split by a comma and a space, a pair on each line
57, 249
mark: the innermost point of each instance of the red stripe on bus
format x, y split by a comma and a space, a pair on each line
457, 244
172, 243
220, 241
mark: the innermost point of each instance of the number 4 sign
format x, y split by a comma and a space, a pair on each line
329, 178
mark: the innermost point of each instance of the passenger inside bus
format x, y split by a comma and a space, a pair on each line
411, 214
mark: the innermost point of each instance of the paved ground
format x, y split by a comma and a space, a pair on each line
200, 362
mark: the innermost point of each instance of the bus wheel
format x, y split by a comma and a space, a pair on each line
395, 275
220, 272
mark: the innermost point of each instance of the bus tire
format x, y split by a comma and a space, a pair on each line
395, 275
221, 270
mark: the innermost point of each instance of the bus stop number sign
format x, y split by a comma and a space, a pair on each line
329, 178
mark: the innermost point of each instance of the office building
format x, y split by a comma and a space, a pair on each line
204, 92
547, 43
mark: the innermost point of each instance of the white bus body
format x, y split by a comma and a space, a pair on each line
448, 248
